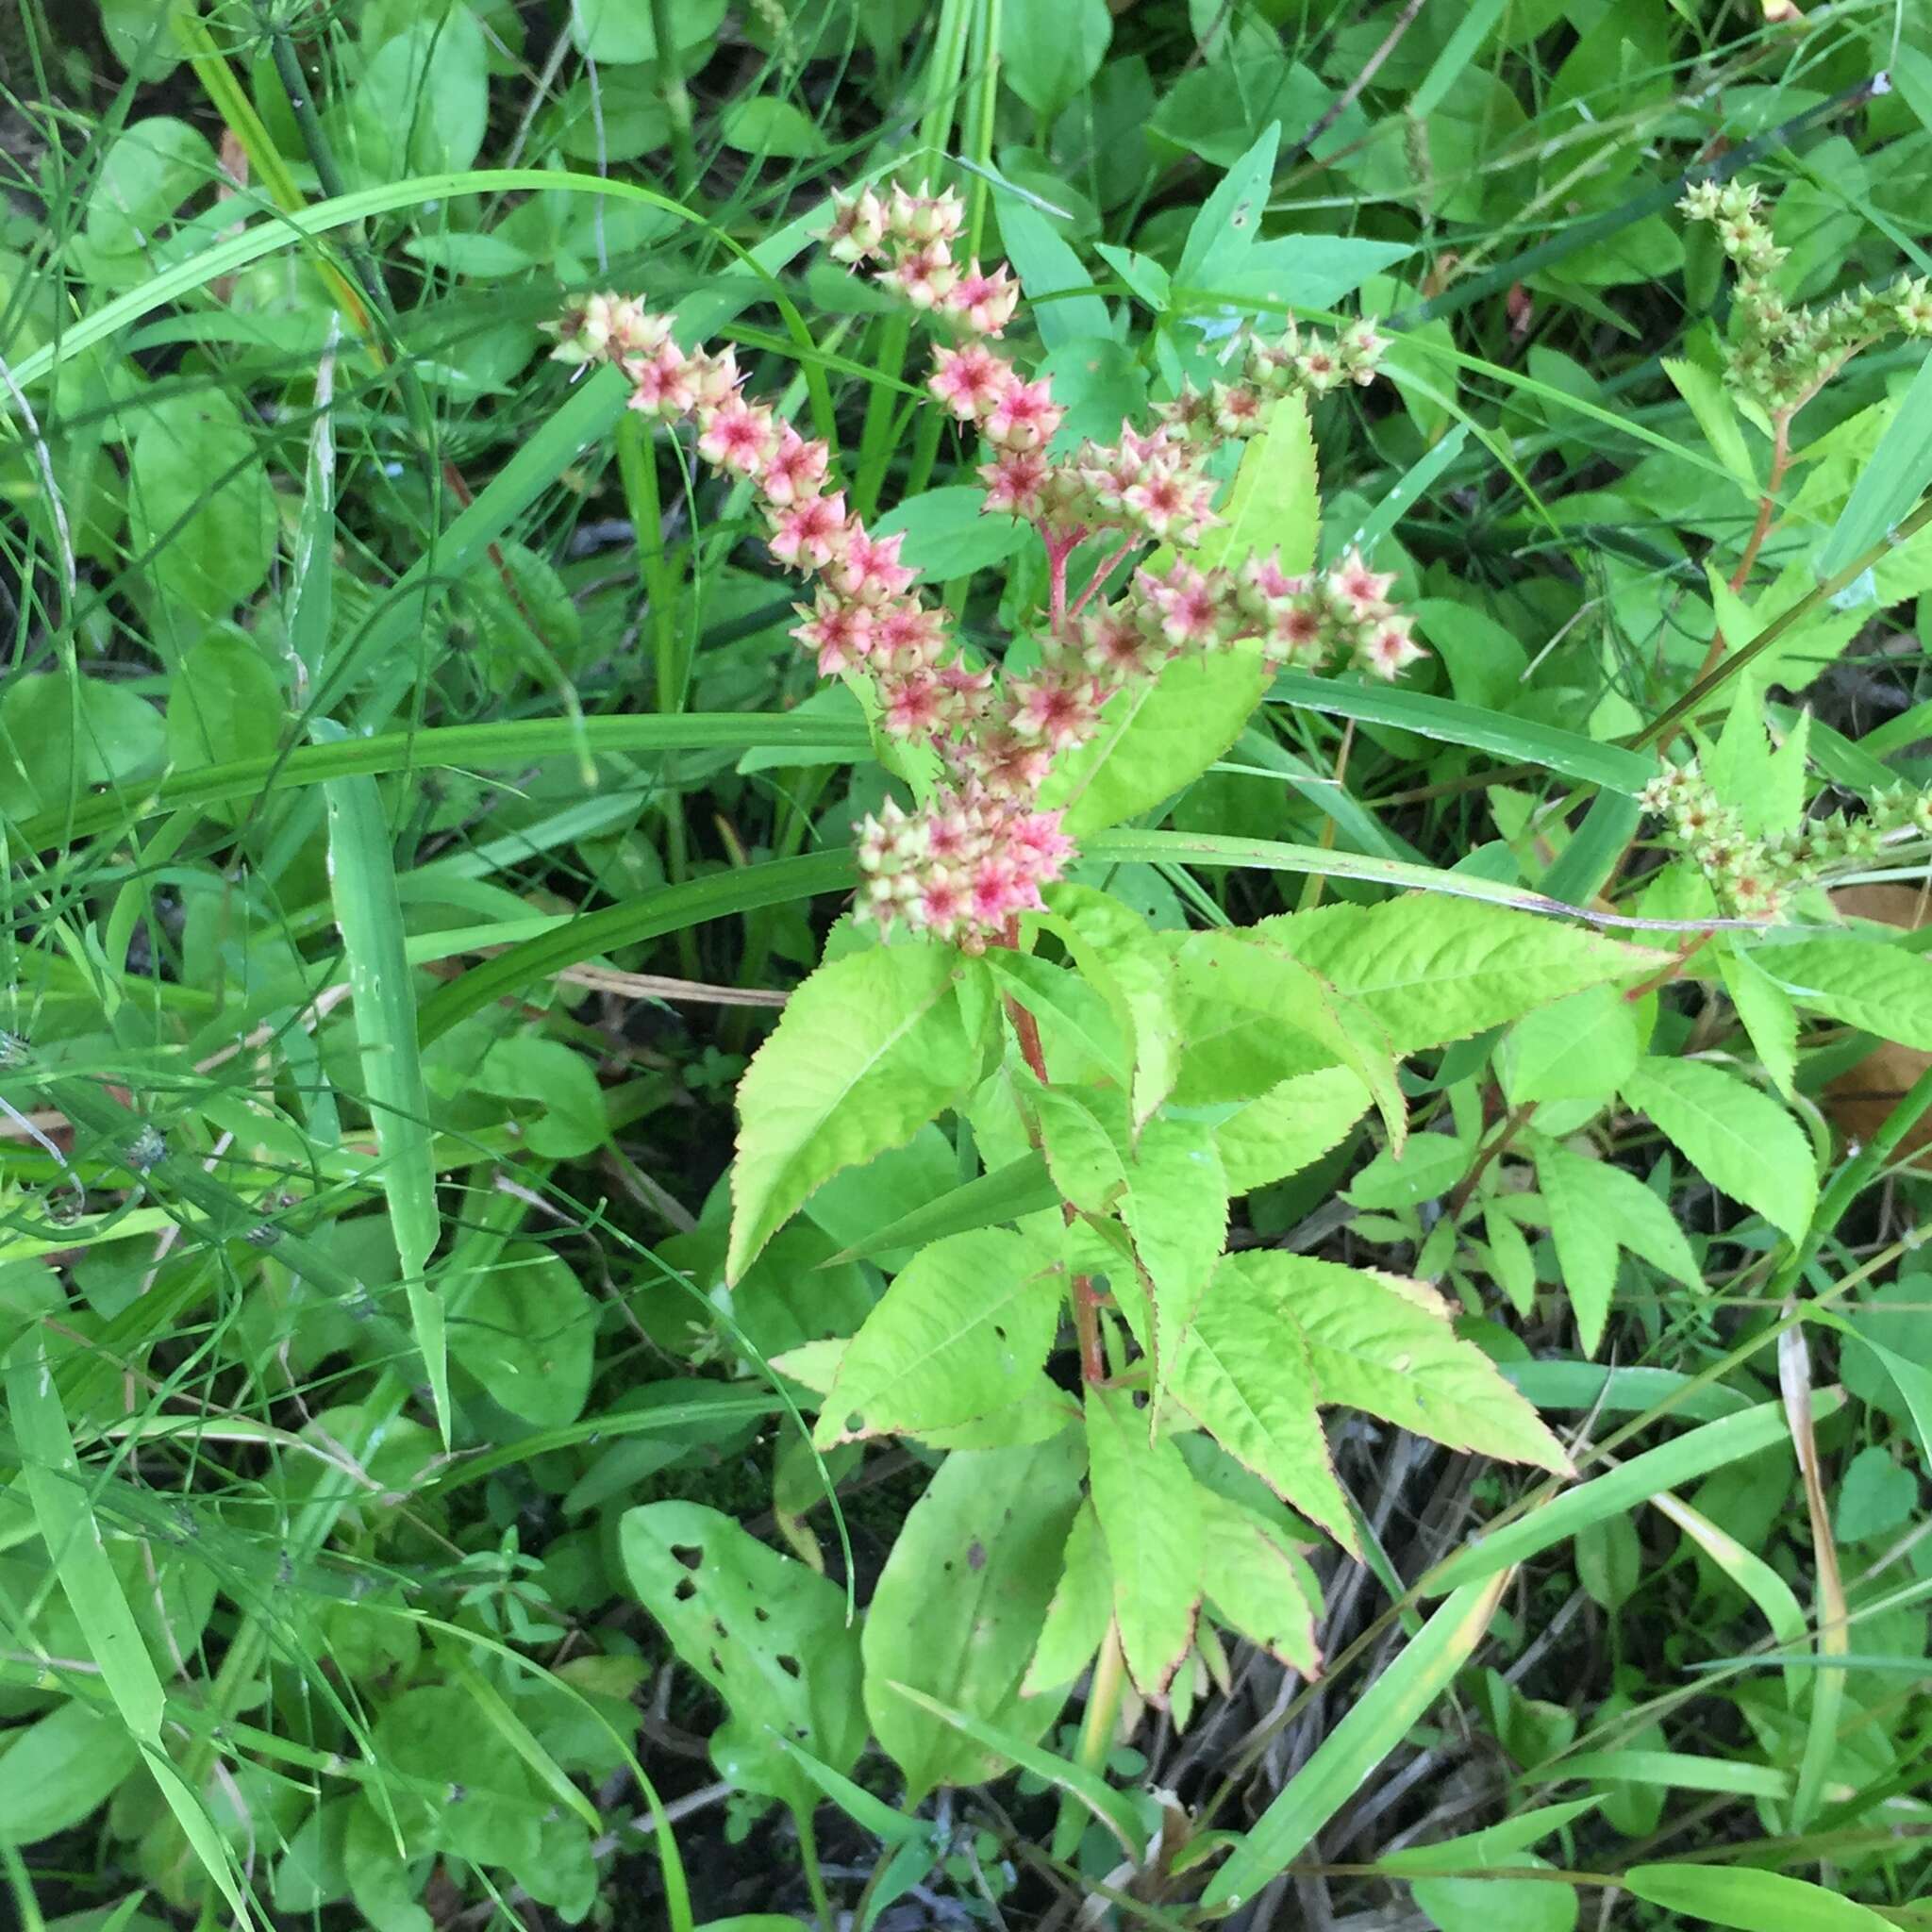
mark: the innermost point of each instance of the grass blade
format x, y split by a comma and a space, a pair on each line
1693, 1455
369, 916
1377, 1723
56, 1491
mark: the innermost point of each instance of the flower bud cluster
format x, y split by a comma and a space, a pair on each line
965, 866
1755, 878
1782, 353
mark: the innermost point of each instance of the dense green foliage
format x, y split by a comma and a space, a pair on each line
1227, 1237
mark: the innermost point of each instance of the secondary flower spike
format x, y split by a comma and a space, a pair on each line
965, 866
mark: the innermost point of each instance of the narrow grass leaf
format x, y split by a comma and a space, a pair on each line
1890, 484
1712, 1446
1752, 1900
369, 916
1374, 1724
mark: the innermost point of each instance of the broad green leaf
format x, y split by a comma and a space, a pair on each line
767, 1634
1751, 1900
1121, 959
620, 32
1875, 985
948, 533
1222, 234
1374, 1726
1292, 1125
1578, 1049
1176, 1212
1050, 49
1383, 1343
1147, 1502
1244, 1372
1875, 1496
225, 702
764, 124
58, 1771
61, 739
959, 1608
527, 1331
1155, 740
1057, 288
1743, 1143
1080, 1609
1433, 969
869, 1049
1081, 1154
1254, 1584
1497, 1904
961, 1336
148, 171
1585, 1247
1227, 974
422, 100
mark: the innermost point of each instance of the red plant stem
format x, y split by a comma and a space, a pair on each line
1085, 1298
1101, 575
1767, 507
1674, 969
1059, 547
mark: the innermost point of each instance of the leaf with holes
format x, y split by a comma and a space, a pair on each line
767, 1634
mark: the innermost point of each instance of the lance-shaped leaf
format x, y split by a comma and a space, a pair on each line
1244, 972
1382, 1343
1294, 1123
869, 1049
1432, 969
1082, 1152
961, 1334
1244, 1372
960, 1604
767, 1634
1148, 1504
1130, 969
1082, 1605
1741, 1141
1256, 1584
1176, 1212
1875, 985
1595, 1208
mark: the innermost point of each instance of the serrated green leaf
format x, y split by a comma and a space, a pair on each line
1123, 963
1876, 984
1176, 1212
868, 1050
961, 1334
1743, 1143
1081, 1154
1383, 1343
1435, 969
1146, 1499
1586, 1248
959, 1610
1244, 1372
1080, 1609
1294, 1123
1578, 1049
1766, 1011
1253, 1584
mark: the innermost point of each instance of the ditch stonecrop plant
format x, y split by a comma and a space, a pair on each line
1121, 1085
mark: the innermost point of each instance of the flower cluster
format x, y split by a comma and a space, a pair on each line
1755, 878
982, 848
1782, 353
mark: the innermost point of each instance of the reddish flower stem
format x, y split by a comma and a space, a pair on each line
1101, 575
1084, 1295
